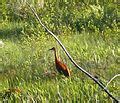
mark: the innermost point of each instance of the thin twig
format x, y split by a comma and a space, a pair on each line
69, 56
112, 80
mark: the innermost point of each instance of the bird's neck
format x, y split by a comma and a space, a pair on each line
55, 55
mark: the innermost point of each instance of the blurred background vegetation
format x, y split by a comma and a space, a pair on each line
89, 29
81, 15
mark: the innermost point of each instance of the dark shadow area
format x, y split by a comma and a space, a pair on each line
8, 33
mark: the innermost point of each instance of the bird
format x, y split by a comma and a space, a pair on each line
61, 67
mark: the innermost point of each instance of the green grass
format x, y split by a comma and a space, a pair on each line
88, 29
23, 63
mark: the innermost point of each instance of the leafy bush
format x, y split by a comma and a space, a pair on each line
79, 16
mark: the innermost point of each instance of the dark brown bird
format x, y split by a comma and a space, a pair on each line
61, 67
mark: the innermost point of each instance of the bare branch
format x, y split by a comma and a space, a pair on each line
69, 56
112, 80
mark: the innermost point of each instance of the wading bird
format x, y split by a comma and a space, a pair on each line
61, 67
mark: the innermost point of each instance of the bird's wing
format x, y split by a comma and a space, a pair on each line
62, 65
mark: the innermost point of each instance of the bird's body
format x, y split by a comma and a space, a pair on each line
61, 67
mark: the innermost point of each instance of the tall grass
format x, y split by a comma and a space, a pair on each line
24, 62
89, 31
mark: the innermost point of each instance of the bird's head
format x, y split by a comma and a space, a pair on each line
53, 48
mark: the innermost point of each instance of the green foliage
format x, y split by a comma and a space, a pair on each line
24, 63
89, 31
79, 16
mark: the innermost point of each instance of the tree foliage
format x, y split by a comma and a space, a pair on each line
90, 15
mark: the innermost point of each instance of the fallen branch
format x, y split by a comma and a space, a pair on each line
69, 56
112, 80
